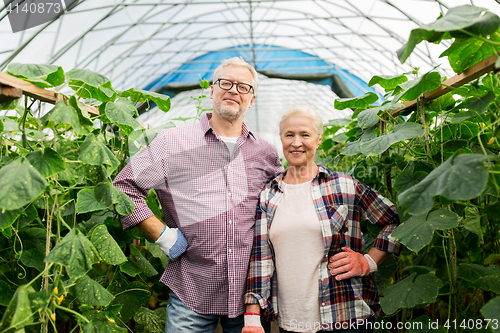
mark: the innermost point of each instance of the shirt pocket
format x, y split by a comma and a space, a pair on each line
337, 215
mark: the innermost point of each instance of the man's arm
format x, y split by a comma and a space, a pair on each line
171, 240
152, 227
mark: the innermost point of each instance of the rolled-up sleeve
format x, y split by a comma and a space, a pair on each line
261, 260
147, 170
381, 212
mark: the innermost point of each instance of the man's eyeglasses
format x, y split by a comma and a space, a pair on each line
242, 88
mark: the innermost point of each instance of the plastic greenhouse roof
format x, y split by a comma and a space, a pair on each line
148, 43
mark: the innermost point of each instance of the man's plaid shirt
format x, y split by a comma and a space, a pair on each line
341, 202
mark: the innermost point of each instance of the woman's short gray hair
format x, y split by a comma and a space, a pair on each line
303, 111
238, 62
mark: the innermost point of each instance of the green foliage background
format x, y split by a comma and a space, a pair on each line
66, 264
440, 165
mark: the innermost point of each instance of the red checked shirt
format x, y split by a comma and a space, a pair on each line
211, 196
341, 202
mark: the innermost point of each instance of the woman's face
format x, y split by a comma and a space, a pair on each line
300, 140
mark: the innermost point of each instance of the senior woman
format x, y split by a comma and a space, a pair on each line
307, 267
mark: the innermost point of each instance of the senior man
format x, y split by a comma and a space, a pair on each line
208, 177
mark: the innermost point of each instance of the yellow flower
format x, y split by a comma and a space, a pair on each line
56, 291
60, 299
111, 320
53, 317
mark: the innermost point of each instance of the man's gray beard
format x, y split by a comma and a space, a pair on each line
229, 114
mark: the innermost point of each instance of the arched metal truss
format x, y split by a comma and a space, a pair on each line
133, 42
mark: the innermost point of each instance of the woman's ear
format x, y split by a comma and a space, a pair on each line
319, 141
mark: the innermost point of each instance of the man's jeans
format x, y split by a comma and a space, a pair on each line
181, 319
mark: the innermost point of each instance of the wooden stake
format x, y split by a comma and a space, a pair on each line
29, 89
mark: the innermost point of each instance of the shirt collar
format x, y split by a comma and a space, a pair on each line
322, 173
205, 125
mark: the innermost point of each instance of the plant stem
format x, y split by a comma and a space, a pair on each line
72, 312
449, 278
486, 40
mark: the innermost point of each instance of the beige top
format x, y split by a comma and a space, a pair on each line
297, 240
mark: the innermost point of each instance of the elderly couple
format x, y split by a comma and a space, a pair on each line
298, 260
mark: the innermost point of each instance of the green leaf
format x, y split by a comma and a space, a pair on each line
131, 296
6, 293
465, 52
492, 311
75, 252
417, 231
33, 238
407, 179
44, 76
20, 183
388, 82
108, 194
474, 106
8, 217
140, 138
351, 148
66, 114
139, 95
107, 246
48, 162
473, 19
143, 263
121, 114
93, 151
368, 117
338, 122
18, 313
356, 102
157, 252
8, 105
92, 293
89, 84
461, 178
33, 258
87, 202
472, 222
99, 323
385, 271
130, 268
489, 283
150, 321
400, 132
410, 292
473, 272
413, 89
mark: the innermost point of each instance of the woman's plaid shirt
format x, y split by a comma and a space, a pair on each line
341, 202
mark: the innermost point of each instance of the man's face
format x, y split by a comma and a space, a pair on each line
231, 104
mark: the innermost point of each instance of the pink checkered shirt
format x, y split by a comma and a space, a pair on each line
211, 197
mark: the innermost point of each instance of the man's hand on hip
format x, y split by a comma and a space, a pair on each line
172, 242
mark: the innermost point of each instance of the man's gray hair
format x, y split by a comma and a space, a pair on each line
306, 111
238, 62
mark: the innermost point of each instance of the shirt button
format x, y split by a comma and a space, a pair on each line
323, 304
229, 194
230, 250
230, 221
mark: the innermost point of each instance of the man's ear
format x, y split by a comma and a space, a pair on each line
251, 101
212, 91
